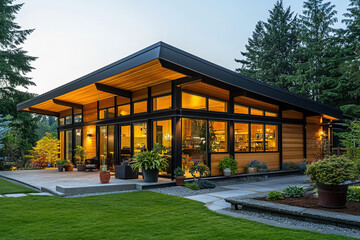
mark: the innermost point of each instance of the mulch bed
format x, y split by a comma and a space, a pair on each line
309, 201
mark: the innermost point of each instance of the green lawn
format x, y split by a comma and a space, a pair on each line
10, 187
134, 215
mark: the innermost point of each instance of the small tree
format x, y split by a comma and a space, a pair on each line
47, 148
80, 154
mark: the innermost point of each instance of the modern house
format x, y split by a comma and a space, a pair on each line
198, 110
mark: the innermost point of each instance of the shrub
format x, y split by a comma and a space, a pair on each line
353, 194
263, 166
228, 162
150, 160
39, 163
178, 172
192, 186
205, 184
253, 163
201, 169
294, 191
274, 195
333, 170
60, 162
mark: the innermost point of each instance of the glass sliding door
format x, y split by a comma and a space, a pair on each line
68, 145
78, 137
194, 145
106, 145
162, 135
125, 143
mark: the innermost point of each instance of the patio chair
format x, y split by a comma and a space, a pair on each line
91, 163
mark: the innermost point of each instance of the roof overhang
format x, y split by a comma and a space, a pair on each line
171, 63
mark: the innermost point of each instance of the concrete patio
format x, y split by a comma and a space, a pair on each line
74, 183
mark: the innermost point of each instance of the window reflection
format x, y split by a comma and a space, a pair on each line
193, 101
161, 103
239, 109
271, 141
241, 137
254, 111
257, 137
123, 110
218, 136
217, 105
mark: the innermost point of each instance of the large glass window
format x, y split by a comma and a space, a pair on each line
123, 110
163, 135
257, 137
218, 136
271, 139
68, 119
107, 113
193, 101
140, 137
78, 137
140, 107
62, 121
106, 145
194, 146
102, 113
68, 148
161, 103
77, 115
125, 142
239, 109
241, 137
217, 105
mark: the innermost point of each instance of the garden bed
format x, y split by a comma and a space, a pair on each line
309, 201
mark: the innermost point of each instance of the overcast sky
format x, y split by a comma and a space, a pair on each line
75, 37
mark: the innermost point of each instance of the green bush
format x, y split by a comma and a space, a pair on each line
294, 191
353, 194
150, 159
228, 162
333, 170
192, 186
274, 195
205, 184
178, 172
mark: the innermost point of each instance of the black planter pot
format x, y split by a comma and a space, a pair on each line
81, 167
332, 196
60, 168
150, 175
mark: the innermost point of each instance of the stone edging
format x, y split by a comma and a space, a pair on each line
342, 219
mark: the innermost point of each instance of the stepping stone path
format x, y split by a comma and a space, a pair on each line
27, 194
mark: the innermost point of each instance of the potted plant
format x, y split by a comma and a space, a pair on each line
228, 165
179, 176
150, 163
330, 174
60, 164
104, 173
252, 166
80, 155
68, 166
262, 167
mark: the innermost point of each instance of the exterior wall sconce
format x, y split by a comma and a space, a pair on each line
89, 134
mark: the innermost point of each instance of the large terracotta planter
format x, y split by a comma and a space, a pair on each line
69, 168
332, 196
180, 181
104, 176
150, 175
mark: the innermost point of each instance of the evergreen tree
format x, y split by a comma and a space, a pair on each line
269, 56
14, 65
351, 66
318, 75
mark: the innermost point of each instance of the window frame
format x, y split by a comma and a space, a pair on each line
106, 113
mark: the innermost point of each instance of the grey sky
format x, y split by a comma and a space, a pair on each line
75, 37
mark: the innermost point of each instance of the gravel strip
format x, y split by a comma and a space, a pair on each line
95, 194
287, 222
185, 192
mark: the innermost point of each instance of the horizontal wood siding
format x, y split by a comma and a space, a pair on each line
272, 159
90, 112
293, 143
109, 102
292, 114
313, 130
90, 142
65, 113
215, 159
161, 89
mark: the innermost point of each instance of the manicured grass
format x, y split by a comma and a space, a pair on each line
134, 215
7, 187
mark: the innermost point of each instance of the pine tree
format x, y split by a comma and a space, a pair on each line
351, 66
14, 65
318, 74
269, 56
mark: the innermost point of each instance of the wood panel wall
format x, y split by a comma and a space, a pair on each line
313, 129
109, 102
292, 114
293, 143
90, 112
66, 112
90, 142
215, 159
272, 160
